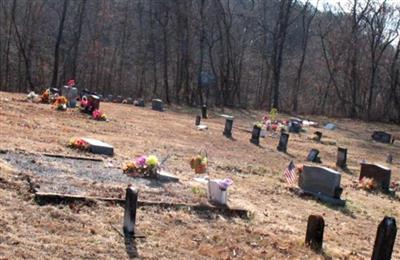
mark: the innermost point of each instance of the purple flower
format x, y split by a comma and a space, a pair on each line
224, 184
141, 161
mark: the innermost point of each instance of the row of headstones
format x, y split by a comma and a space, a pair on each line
383, 247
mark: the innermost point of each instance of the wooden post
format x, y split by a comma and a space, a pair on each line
255, 135
204, 111
131, 199
315, 232
198, 120
384, 241
228, 127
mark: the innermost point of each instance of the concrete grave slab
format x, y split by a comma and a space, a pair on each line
99, 147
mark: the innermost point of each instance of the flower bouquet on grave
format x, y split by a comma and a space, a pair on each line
199, 163
60, 103
143, 166
78, 143
44, 98
367, 184
225, 183
99, 115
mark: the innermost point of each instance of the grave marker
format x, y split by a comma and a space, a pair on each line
382, 137
204, 111
110, 98
341, 159
131, 199
215, 194
318, 136
389, 158
198, 120
384, 241
228, 126
283, 142
313, 156
129, 100
71, 93
380, 174
315, 232
157, 105
99, 147
321, 182
139, 102
295, 125
119, 99
255, 135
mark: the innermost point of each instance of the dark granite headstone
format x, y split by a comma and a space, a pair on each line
315, 232
119, 99
294, 125
129, 100
110, 98
389, 159
321, 182
283, 142
382, 137
313, 156
255, 135
380, 174
139, 102
228, 127
204, 111
318, 136
385, 238
341, 160
198, 120
157, 104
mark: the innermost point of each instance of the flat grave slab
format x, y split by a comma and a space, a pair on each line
99, 147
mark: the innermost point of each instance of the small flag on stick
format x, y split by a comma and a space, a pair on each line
290, 173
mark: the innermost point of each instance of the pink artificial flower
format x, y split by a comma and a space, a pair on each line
141, 161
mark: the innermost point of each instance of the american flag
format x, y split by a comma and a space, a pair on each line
290, 173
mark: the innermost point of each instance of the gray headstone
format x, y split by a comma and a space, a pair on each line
313, 156
71, 93
110, 98
119, 99
320, 180
330, 126
380, 174
157, 105
99, 147
129, 100
139, 102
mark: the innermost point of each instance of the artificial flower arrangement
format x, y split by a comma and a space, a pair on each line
225, 183
44, 98
99, 115
60, 103
78, 143
199, 163
367, 184
143, 166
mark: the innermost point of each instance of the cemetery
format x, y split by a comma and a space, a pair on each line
152, 185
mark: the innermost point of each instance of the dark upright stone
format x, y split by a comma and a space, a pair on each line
382, 137
341, 160
198, 120
228, 127
204, 111
315, 232
129, 100
139, 102
384, 241
255, 135
131, 199
119, 99
318, 136
313, 156
380, 174
294, 125
158, 105
110, 98
283, 142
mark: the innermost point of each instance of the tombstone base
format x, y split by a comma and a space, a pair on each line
324, 198
133, 235
228, 135
165, 176
255, 141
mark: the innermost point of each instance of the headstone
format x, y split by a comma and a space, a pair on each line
295, 125
202, 127
341, 159
139, 102
54, 91
110, 98
255, 135
71, 94
318, 136
385, 238
119, 99
204, 111
389, 159
315, 232
99, 147
382, 137
166, 176
215, 194
380, 174
313, 156
129, 100
131, 199
94, 102
101, 97
198, 120
228, 126
158, 105
322, 182
330, 126
283, 142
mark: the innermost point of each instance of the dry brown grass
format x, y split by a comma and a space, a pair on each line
276, 229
